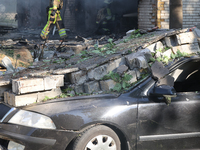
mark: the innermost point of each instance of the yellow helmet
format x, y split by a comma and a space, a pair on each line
108, 1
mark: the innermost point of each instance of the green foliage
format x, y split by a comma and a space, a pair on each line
179, 54
159, 50
22, 64
152, 59
106, 49
122, 82
46, 61
18, 56
8, 52
59, 61
117, 87
67, 92
134, 34
48, 98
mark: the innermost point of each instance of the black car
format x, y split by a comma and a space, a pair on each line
162, 112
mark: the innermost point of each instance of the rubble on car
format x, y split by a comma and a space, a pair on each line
91, 66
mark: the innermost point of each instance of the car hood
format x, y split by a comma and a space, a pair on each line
58, 106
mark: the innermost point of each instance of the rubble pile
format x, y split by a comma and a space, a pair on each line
81, 66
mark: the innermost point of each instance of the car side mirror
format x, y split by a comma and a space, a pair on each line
165, 91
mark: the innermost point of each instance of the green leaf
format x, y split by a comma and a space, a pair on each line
173, 56
110, 40
46, 61
117, 87
124, 84
127, 77
96, 52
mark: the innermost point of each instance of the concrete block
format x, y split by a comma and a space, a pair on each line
171, 41
121, 69
197, 31
152, 47
78, 77
51, 94
159, 45
22, 100
98, 73
91, 87
116, 63
53, 81
190, 48
107, 85
176, 48
167, 53
79, 89
147, 53
5, 81
187, 38
134, 76
22, 86
136, 60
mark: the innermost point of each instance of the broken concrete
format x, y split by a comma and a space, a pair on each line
107, 85
92, 87
64, 71
132, 57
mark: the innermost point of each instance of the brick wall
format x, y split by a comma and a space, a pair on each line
153, 13
163, 14
146, 14
191, 10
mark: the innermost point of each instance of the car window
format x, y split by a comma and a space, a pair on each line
187, 77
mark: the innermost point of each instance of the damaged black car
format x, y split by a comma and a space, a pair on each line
161, 112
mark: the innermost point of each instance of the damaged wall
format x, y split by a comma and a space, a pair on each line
87, 76
8, 11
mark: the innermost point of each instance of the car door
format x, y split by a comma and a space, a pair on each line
173, 126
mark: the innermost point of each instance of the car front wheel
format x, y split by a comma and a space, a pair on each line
98, 138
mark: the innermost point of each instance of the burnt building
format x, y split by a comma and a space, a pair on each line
80, 15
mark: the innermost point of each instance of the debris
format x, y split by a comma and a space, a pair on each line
8, 64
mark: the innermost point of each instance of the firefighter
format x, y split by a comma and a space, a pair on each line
105, 19
54, 18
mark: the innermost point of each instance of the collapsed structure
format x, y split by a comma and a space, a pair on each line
81, 68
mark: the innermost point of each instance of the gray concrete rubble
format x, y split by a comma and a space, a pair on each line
83, 69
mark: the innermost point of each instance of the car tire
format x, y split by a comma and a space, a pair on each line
98, 137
